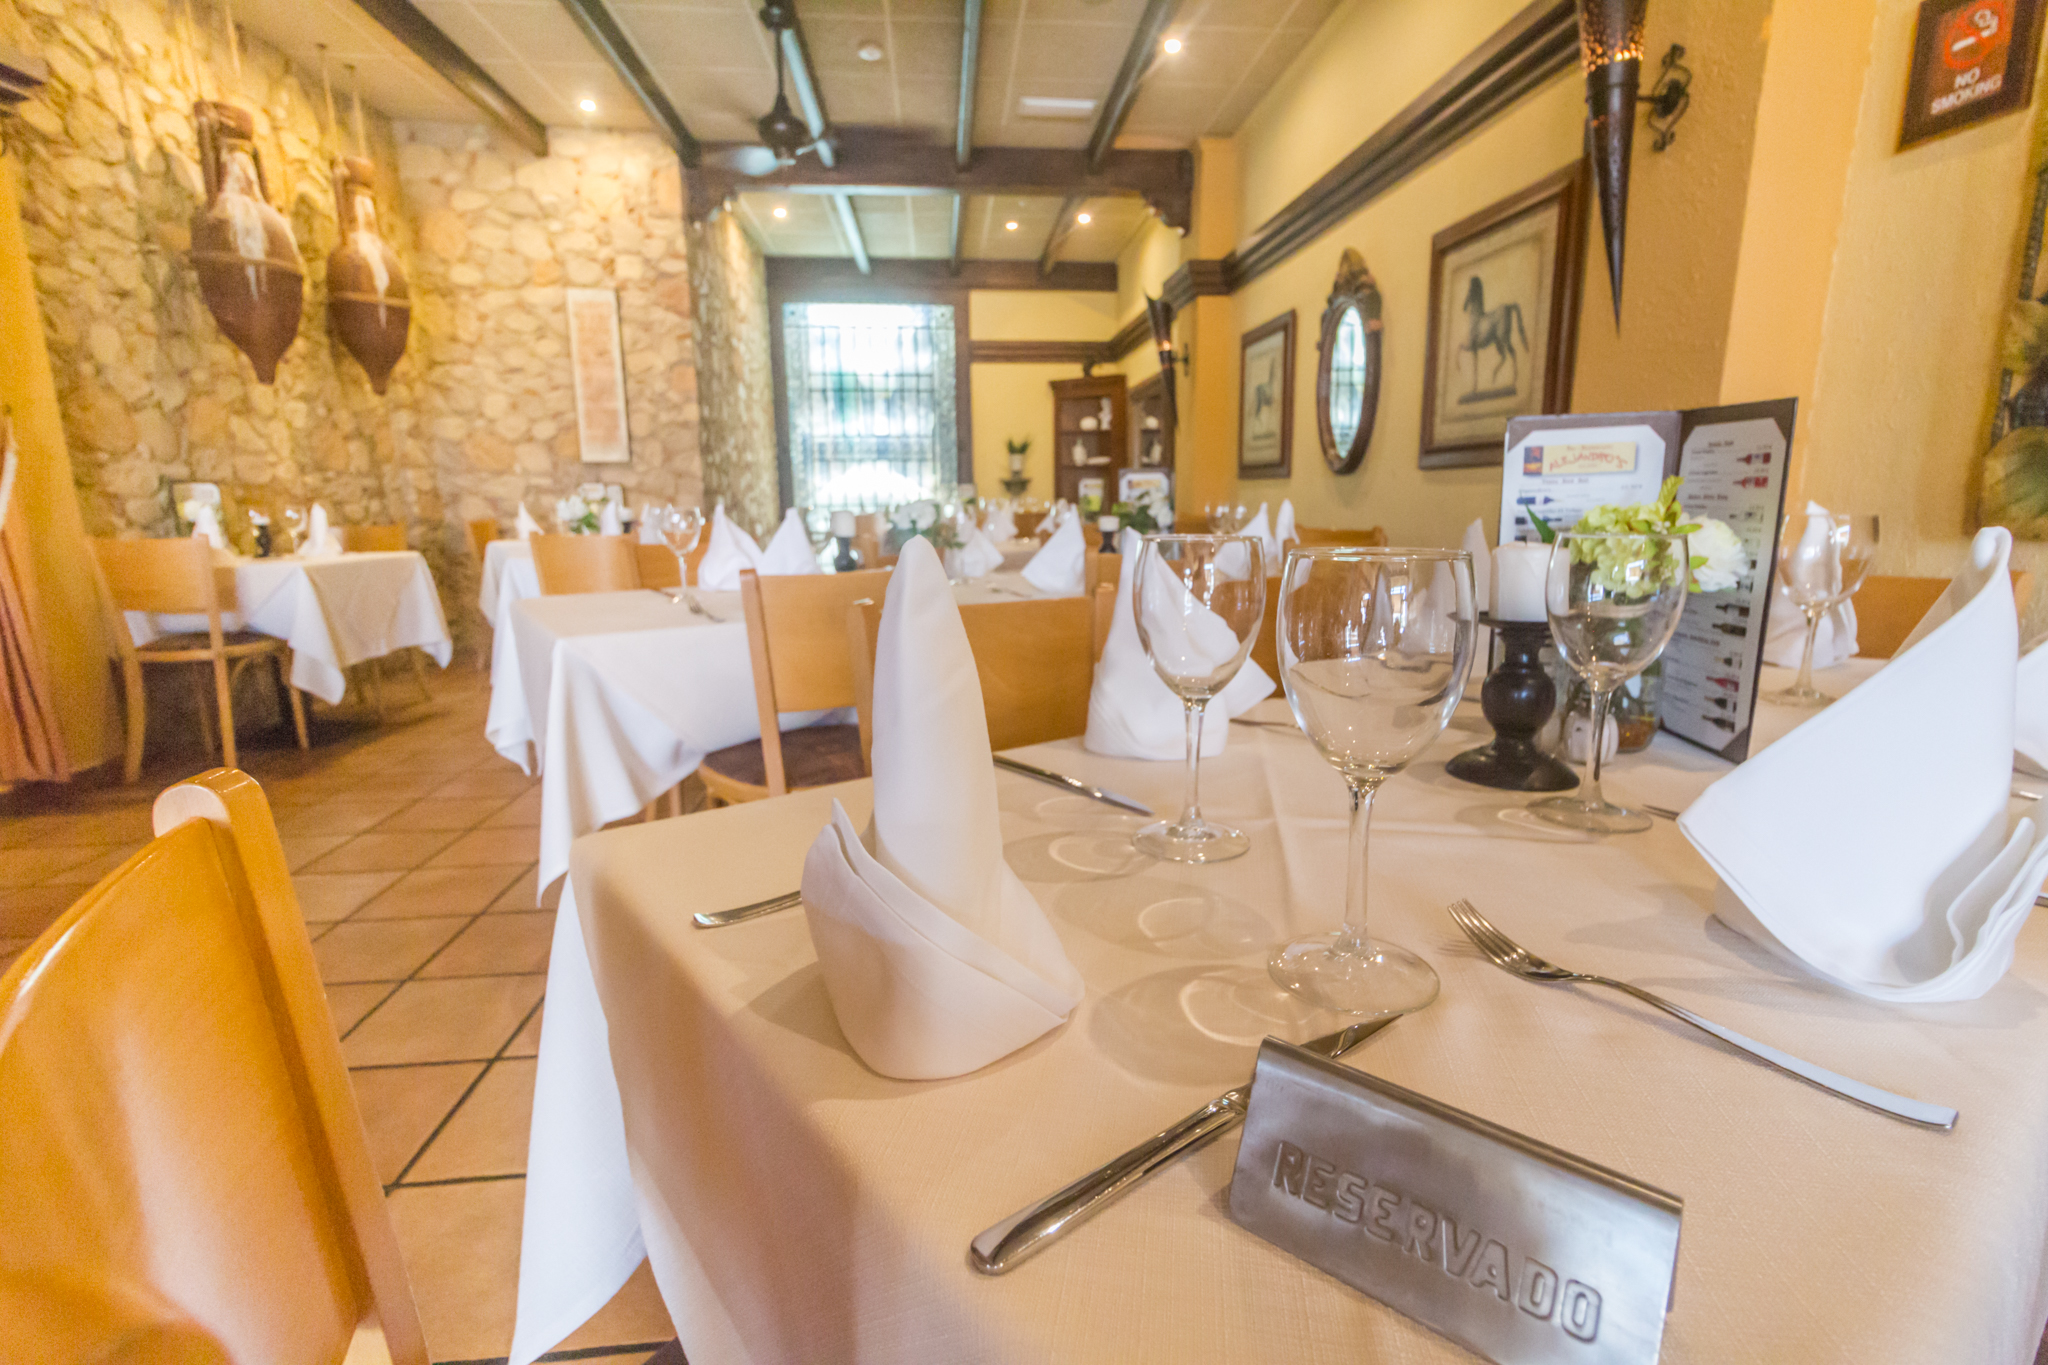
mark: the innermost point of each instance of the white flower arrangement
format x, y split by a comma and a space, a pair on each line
924, 518
575, 516
1718, 557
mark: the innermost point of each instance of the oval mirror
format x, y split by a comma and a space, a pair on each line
1348, 366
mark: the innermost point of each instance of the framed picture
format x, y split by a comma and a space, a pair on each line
1265, 401
1134, 483
600, 374
1972, 60
1503, 319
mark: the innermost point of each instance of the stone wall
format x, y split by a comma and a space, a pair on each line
731, 286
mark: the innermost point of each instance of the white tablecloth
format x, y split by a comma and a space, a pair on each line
333, 612
795, 1206
508, 575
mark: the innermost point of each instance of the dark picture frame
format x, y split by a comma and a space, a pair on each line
1520, 349
1265, 418
1972, 60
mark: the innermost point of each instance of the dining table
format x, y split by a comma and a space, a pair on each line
697, 1106
335, 611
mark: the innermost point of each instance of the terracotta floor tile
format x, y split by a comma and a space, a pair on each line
502, 779
487, 1135
92, 869
496, 944
300, 849
461, 1248
451, 1020
349, 1003
127, 824
28, 911
440, 891
402, 1105
526, 1043
380, 950
484, 846
450, 813
519, 895
325, 896
27, 866
343, 816
635, 1314
523, 810
385, 851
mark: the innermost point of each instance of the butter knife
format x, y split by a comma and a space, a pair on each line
1073, 784
1029, 1231
718, 919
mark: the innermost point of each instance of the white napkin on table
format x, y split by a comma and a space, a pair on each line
1060, 568
644, 527
1283, 528
1475, 545
1259, 526
789, 550
322, 542
1132, 713
937, 959
979, 557
525, 524
1872, 845
729, 550
1785, 623
206, 526
1002, 524
608, 521
2030, 719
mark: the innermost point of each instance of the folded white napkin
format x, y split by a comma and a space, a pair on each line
1060, 568
936, 957
1002, 524
1132, 713
608, 521
1283, 527
1872, 845
789, 550
525, 524
979, 557
206, 526
1785, 623
1262, 528
322, 541
730, 550
2030, 719
1475, 545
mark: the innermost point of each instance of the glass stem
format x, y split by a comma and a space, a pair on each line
1589, 788
1813, 615
1191, 808
1353, 939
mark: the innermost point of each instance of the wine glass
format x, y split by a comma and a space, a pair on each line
1823, 558
1614, 599
1373, 646
1225, 519
1199, 602
680, 528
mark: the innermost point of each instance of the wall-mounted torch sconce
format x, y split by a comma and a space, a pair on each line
1670, 98
1611, 51
1160, 314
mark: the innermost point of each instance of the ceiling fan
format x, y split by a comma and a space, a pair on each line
785, 135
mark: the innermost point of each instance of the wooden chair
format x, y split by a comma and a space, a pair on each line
177, 578
373, 539
184, 1153
796, 637
1098, 568
481, 533
570, 564
1035, 659
658, 566
1027, 523
1889, 606
870, 534
1334, 535
1266, 648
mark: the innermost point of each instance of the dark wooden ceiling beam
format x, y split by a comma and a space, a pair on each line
1062, 228
607, 37
871, 163
1123, 92
459, 69
799, 277
963, 123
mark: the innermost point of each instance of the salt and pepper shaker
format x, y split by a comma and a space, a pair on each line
843, 528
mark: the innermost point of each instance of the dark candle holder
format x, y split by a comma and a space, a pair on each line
1517, 698
846, 561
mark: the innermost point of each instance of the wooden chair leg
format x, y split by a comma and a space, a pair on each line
224, 695
284, 680
138, 719
418, 659
205, 714
376, 685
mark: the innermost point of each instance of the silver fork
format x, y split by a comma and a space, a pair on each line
1513, 958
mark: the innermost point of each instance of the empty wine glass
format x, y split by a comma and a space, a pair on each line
1199, 602
680, 528
1373, 649
1614, 599
1225, 518
1823, 558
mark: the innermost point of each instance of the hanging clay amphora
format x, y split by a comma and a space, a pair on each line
368, 305
243, 249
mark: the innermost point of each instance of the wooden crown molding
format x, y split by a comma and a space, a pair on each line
1086, 354
800, 277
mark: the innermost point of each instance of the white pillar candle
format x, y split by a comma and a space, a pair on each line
1518, 573
843, 525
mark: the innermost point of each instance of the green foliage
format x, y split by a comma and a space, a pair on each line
1610, 558
2018, 469
1018, 447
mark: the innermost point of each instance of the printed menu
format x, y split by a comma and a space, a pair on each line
1733, 462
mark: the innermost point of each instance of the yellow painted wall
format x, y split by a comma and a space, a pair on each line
1012, 401
1041, 315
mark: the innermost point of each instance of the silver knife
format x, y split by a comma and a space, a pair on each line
1074, 784
716, 919
1025, 1233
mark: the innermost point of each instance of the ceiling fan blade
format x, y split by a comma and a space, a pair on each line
754, 160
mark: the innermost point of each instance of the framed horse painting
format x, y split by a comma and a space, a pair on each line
1503, 319
1265, 400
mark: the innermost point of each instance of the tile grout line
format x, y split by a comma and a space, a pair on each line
449, 1117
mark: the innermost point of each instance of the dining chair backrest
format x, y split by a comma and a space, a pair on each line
1309, 536
870, 534
172, 576
658, 567
1027, 523
1889, 606
1266, 646
182, 1142
798, 647
569, 564
482, 532
1098, 568
1035, 661
367, 539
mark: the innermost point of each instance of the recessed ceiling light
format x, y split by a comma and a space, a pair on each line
1172, 46
587, 105
1010, 226
781, 211
1084, 219
869, 51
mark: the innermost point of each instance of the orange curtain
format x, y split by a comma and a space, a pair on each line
31, 744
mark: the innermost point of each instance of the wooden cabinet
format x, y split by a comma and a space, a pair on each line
1151, 427
1090, 420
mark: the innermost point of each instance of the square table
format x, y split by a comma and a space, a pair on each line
696, 1101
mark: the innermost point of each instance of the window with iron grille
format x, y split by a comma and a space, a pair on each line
871, 400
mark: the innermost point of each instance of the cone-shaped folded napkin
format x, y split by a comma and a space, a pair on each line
789, 550
1262, 528
206, 526
525, 524
979, 557
1871, 845
1283, 530
2030, 719
1131, 712
609, 523
1060, 568
937, 959
1002, 524
322, 541
730, 550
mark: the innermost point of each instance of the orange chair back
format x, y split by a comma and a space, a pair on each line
481, 533
368, 539
1335, 535
658, 566
569, 564
1889, 606
174, 576
182, 1146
